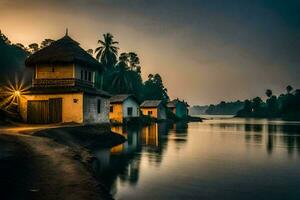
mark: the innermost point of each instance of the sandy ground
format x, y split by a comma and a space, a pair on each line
33, 167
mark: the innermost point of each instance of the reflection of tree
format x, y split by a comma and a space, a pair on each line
287, 133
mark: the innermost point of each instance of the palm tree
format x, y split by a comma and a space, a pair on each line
122, 81
289, 88
269, 93
107, 52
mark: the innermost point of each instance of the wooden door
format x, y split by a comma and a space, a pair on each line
38, 112
55, 110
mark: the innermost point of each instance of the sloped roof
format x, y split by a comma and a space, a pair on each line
151, 103
172, 104
63, 51
121, 98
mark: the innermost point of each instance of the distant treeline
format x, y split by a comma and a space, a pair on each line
223, 108
286, 106
198, 110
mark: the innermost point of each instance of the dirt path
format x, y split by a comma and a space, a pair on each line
39, 168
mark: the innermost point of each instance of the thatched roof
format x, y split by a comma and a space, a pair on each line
151, 103
63, 51
121, 98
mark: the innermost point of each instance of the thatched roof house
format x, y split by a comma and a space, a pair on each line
63, 88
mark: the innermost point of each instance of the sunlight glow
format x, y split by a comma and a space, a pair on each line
12, 92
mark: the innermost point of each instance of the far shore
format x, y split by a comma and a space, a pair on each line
44, 162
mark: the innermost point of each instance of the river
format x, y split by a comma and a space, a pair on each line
225, 158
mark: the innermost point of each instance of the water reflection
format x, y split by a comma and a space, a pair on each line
203, 160
122, 162
271, 133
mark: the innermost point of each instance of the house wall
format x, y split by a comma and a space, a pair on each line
90, 111
54, 71
117, 114
78, 70
71, 111
154, 111
181, 110
135, 108
162, 113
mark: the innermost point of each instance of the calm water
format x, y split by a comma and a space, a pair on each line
216, 159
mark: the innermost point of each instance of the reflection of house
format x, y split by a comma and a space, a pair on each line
63, 86
132, 143
150, 135
179, 108
123, 107
154, 108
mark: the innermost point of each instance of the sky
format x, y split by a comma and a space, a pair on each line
206, 51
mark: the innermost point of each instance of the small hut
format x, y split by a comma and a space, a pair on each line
63, 86
178, 107
123, 107
154, 108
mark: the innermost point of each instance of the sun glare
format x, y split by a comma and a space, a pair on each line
12, 92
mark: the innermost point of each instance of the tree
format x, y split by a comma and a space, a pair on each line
121, 82
107, 52
4, 39
90, 51
46, 42
257, 104
21, 46
154, 89
289, 89
134, 62
269, 93
34, 47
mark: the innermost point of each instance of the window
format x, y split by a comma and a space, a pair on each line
81, 75
129, 111
99, 105
90, 76
149, 112
85, 75
111, 109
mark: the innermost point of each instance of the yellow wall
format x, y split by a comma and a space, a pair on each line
154, 111
60, 71
71, 111
117, 114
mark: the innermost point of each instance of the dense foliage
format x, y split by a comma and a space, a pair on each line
122, 75
12, 58
285, 106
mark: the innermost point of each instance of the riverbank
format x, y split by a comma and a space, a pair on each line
52, 163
